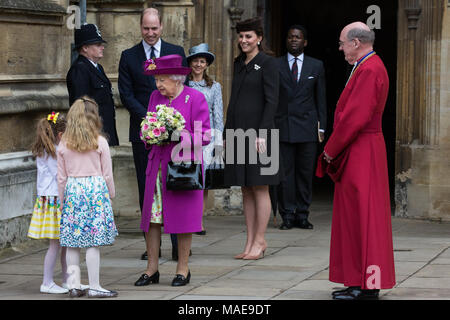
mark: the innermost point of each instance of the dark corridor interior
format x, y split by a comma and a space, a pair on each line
324, 20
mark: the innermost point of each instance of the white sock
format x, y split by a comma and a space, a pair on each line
64, 264
50, 261
73, 268
93, 266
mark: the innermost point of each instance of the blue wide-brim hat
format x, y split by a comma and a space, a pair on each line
87, 34
202, 50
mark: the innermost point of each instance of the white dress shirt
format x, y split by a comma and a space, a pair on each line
148, 48
93, 63
291, 60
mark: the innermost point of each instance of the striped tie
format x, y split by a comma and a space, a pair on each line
152, 53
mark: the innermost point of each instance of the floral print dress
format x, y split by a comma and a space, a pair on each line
87, 217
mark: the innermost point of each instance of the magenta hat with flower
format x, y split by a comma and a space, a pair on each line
171, 64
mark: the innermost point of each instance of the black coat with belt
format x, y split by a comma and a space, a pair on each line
84, 79
135, 87
301, 105
253, 103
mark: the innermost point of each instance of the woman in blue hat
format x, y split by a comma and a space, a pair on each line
199, 60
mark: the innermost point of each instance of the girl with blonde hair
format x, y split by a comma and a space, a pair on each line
47, 210
85, 186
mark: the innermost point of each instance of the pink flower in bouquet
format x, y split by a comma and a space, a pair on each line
152, 120
157, 132
145, 127
163, 129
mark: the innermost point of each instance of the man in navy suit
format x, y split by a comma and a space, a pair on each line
301, 119
135, 89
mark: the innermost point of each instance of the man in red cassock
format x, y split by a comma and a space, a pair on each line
361, 250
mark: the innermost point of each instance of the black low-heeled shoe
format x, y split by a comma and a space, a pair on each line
344, 291
145, 279
286, 225
181, 280
357, 294
304, 224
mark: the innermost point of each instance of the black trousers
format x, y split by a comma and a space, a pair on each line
294, 193
140, 156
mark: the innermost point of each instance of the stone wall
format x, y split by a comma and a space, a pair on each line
36, 55
423, 137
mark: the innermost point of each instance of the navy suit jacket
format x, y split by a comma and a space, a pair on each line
301, 105
135, 87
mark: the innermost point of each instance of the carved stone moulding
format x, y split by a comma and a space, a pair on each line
31, 12
235, 15
413, 15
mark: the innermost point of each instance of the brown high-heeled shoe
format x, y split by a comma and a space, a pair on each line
257, 257
241, 255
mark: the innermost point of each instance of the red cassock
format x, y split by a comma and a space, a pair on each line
361, 250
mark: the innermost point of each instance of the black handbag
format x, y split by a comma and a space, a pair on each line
184, 176
215, 178
215, 172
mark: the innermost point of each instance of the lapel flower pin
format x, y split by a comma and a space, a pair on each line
187, 99
257, 67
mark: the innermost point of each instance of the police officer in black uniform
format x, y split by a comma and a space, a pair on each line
87, 77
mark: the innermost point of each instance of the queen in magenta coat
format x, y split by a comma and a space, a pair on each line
179, 212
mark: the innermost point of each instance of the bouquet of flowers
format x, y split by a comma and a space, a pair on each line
157, 127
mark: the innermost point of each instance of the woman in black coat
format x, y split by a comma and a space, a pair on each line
253, 164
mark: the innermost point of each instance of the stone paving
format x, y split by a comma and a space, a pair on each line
295, 266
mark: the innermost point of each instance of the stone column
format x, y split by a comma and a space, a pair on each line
421, 186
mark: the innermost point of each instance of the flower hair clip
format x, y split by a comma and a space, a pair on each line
53, 117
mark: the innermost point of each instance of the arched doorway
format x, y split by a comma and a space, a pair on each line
324, 20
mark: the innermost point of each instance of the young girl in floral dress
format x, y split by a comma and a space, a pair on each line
85, 186
47, 211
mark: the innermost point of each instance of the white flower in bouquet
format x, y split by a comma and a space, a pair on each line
157, 127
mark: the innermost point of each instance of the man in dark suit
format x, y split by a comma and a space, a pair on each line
135, 89
87, 77
301, 119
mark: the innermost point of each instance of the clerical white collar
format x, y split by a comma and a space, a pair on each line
291, 57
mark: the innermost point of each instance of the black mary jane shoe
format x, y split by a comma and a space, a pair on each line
201, 233
145, 279
181, 280
357, 294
